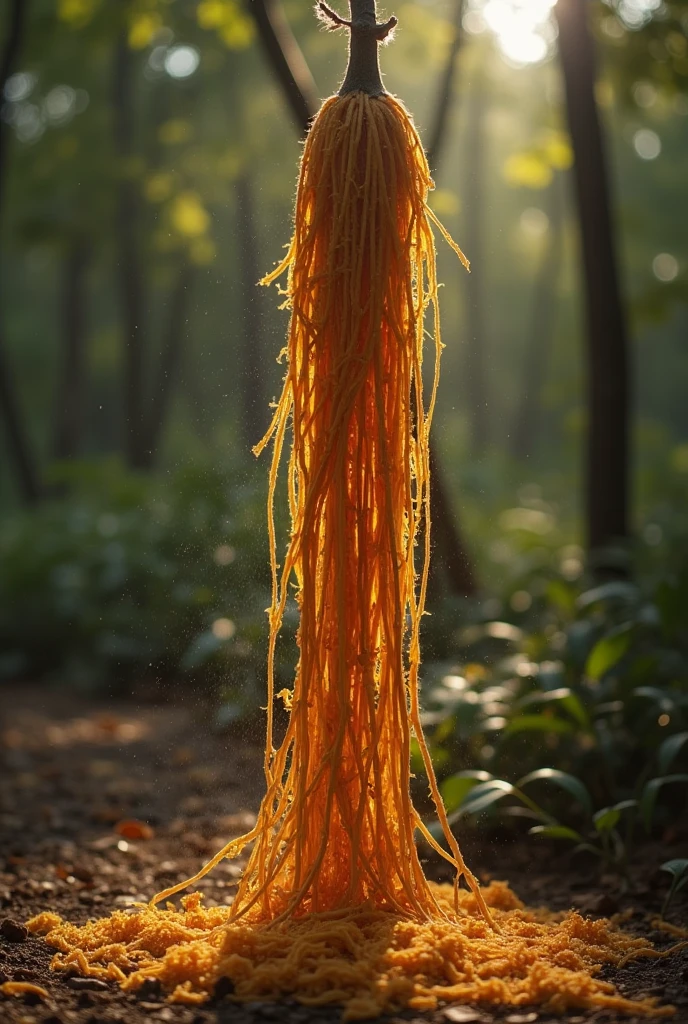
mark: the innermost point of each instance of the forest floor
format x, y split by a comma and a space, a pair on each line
74, 768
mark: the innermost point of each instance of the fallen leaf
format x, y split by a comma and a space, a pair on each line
132, 828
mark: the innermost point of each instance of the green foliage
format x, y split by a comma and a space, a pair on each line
678, 869
591, 683
131, 577
599, 832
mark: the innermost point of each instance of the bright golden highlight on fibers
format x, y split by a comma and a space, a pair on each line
333, 906
336, 828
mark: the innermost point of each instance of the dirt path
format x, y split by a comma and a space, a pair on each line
74, 769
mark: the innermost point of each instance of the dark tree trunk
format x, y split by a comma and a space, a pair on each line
474, 228
17, 439
445, 93
538, 344
286, 60
607, 355
254, 405
129, 269
20, 454
170, 357
455, 559
69, 414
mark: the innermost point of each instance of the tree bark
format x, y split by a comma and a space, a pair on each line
607, 348
456, 561
527, 420
445, 92
286, 60
168, 366
129, 268
254, 402
20, 453
69, 417
475, 353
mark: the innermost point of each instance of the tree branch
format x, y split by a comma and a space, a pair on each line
286, 60
365, 36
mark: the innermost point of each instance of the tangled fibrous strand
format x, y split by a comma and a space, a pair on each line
336, 827
371, 961
333, 906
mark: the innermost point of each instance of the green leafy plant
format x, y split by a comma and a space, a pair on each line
130, 576
608, 833
587, 681
678, 869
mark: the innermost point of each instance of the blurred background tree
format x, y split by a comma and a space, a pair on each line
148, 154
147, 161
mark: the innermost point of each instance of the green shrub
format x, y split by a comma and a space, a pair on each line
127, 575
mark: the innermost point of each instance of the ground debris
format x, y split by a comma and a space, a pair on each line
92, 865
13, 931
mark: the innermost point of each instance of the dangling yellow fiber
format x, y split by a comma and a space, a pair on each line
333, 906
336, 828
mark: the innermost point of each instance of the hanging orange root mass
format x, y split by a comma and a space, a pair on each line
333, 905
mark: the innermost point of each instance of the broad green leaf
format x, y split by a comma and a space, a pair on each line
455, 788
568, 782
650, 793
669, 749
615, 590
561, 594
555, 832
660, 697
493, 630
678, 868
607, 652
564, 696
589, 848
538, 723
484, 795
606, 819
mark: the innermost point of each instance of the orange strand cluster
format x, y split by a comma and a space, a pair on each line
336, 827
333, 905
337, 822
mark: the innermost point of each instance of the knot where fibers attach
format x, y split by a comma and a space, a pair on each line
333, 22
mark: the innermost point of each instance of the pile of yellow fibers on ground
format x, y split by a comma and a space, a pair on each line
333, 906
369, 960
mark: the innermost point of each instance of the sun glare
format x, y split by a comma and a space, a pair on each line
524, 29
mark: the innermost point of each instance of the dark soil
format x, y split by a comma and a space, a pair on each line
75, 767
